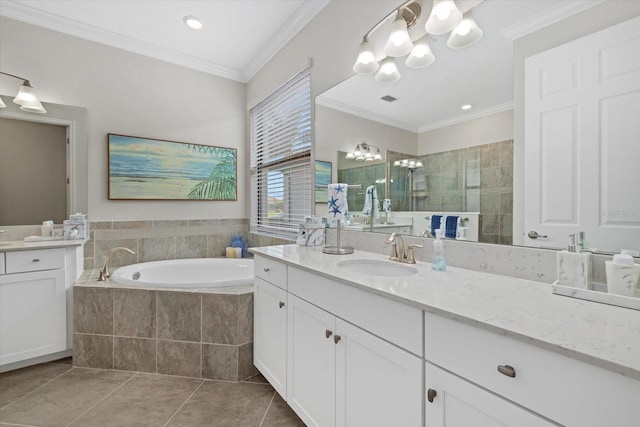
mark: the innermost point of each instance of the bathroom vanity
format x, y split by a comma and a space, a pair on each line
360, 340
36, 286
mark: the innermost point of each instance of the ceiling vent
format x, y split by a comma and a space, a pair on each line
389, 98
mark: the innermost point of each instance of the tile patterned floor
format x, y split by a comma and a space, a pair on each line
57, 394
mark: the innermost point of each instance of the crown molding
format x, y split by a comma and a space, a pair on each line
349, 109
562, 10
465, 118
302, 16
297, 22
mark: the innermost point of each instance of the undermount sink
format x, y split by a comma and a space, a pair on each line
377, 268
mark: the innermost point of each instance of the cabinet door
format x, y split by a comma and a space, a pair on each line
377, 383
458, 403
32, 315
311, 363
270, 329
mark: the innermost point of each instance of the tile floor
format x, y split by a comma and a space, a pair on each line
57, 394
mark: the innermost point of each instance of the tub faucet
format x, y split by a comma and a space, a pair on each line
104, 271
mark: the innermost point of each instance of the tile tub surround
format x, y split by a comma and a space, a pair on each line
204, 334
160, 240
602, 335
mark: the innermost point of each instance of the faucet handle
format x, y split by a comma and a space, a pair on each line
411, 259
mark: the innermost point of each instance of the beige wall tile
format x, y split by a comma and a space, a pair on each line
93, 351
179, 358
220, 362
178, 316
134, 354
92, 310
134, 313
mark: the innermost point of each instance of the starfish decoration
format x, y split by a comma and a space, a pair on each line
335, 210
339, 188
333, 202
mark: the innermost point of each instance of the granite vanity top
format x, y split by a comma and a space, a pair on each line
19, 245
600, 334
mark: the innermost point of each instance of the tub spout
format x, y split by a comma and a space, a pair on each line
104, 271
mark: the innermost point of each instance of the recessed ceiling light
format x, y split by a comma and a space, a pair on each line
466, 106
192, 22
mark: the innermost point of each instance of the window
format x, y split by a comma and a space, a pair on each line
281, 159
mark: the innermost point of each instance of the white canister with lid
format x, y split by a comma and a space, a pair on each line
623, 274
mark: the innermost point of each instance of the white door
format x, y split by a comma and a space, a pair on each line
270, 330
454, 402
32, 315
311, 363
582, 133
377, 383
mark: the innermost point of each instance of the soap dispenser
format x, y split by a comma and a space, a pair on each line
438, 262
623, 274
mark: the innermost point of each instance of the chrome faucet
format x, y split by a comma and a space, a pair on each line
104, 271
398, 252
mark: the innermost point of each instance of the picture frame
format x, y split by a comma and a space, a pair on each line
322, 180
155, 169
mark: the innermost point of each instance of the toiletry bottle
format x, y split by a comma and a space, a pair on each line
437, 261
47, 228
238, 242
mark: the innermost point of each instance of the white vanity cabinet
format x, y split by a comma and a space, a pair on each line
352, 358
32, 305
270, 322
491, 378
36, 297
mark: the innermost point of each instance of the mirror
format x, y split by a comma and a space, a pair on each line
28, 198
354, 112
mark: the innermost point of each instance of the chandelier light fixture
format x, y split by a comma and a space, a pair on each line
364, 153
444, 17
26, 97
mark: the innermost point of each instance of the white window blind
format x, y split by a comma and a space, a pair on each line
281, 159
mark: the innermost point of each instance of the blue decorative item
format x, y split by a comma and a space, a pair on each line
238, 242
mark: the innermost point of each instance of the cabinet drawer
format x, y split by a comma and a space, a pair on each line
553, 385
272, 271
34, 260
398, 323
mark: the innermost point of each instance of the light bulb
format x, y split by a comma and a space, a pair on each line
366, 62
349, 155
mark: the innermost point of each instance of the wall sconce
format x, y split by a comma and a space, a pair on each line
444, 17
26, 97
411, 164
363, 153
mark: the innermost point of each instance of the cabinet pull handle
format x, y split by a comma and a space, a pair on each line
431, 394
266, 270
36, 260
336, 338
328, 333
281, 304
507, 370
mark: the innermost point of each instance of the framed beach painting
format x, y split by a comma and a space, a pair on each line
322, 179
154, 169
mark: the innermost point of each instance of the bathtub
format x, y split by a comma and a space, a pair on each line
187, 273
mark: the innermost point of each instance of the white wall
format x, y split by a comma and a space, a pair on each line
599, 17
338, 131
134, 95
484, 130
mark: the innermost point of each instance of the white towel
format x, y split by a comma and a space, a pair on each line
371, 202
386, 205
574, 269
338, 207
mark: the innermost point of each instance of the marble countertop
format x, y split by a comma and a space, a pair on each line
19, 245
600, 334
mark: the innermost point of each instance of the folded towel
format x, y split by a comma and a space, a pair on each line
386, 205
574, 269
371, 202
435, 223
451, 226
338, 207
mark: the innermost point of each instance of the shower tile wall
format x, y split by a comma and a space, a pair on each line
158, 240
366, 175
474, 179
